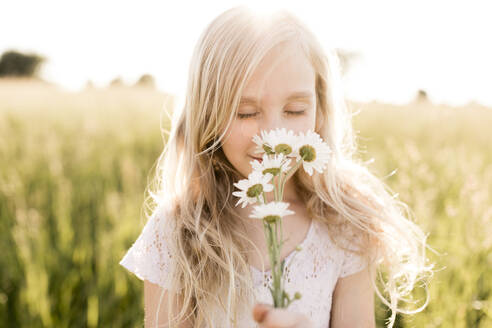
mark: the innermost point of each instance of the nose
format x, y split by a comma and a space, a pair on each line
270, 120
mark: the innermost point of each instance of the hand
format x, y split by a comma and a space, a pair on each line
269, 317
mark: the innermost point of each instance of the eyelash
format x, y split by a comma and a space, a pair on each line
242, 116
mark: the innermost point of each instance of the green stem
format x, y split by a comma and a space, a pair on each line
292, 169
275, 272
271, 234
276, 187
273, 259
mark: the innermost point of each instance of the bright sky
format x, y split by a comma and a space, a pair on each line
441, 46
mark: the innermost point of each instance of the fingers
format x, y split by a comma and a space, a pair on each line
269, 317
259, 312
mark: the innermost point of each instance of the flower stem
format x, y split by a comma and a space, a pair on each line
276, 274
271, 234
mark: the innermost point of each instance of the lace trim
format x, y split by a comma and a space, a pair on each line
149, 257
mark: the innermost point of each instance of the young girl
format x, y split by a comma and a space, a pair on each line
203, 259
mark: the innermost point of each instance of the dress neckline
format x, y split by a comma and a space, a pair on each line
291, 254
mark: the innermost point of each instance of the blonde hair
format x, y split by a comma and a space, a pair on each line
195, 180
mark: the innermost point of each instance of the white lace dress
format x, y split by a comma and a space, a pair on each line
314, 271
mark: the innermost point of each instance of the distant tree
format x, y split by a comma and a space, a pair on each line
422, 96
89, 84
116, 82
146, 80
16, 64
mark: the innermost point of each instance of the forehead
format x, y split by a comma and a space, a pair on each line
285, 71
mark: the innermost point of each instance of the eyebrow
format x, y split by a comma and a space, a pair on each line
293, 96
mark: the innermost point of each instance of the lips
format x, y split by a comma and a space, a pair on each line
257, 158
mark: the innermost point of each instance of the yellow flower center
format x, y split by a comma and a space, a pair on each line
308, 152
273, 170
255, 190
268, 149
271, 218
283, 148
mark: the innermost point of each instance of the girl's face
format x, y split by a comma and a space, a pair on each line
280, 94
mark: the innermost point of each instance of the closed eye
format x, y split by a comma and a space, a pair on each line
241, 116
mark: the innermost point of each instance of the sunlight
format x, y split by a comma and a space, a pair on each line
385, 71
265, 9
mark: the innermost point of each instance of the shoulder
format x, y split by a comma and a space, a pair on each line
353, 296
353, 300
355, 252
150, 256
346, 246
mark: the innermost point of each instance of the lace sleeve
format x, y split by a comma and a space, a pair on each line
352, 262
149, 257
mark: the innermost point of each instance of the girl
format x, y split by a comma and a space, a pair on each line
202, 258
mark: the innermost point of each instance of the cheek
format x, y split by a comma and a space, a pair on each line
303, 124
242, 133
310, 122
240, 137
247, 129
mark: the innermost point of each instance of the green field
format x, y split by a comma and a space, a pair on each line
74, 167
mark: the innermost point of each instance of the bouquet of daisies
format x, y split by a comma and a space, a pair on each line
278, 148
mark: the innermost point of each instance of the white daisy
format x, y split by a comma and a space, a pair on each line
253, 187
316, 152
275, 142
271, 212
274, 164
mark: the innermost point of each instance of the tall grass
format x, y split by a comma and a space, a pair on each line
439, 160
74, 167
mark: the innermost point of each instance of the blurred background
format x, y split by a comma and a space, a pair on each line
84, 91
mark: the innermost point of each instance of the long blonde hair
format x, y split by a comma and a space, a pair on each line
194, 179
